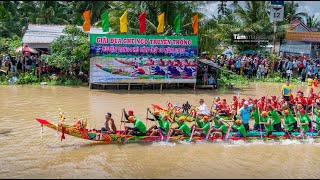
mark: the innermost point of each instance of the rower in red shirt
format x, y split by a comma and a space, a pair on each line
262, 103
274, 102
235, 103
241, 103
267, 105
311, 97
224, 108
301, 100
250, 101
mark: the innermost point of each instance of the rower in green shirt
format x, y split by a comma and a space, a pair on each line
265, 119
304, 121
288, 126
239, 127
317, 121
183, 128
203, 127
221, 130
139, 128
164, 124
293, 120
276, 121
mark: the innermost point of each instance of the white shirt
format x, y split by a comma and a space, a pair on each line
203, 109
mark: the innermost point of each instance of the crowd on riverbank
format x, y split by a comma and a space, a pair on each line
257, 66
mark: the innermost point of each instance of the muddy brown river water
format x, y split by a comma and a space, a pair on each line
23, 154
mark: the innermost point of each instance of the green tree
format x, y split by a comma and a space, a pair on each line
313, 22
291, 11
70, 48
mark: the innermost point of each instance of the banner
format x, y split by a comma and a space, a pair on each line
143, 58
303, 36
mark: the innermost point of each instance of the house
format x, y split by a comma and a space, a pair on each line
40, 36
301, 43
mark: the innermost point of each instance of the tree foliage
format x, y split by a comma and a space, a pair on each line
70, 48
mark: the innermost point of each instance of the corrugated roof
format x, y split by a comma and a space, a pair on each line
46, 33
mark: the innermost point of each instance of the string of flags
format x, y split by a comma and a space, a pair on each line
142, 19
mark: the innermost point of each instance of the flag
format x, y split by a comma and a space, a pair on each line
86, 24
142, 19
195, 24
105, 21
123, 22
160, 28
177, 24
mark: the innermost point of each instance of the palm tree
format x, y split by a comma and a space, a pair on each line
313, 22
222, 6
290, 11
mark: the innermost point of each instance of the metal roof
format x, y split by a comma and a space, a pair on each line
46, 33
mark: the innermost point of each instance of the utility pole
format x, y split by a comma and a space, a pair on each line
274, 36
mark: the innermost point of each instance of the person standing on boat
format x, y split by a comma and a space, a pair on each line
286, 91
139, 128
202, 109
244, 114
109, 125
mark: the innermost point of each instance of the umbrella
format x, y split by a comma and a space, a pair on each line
284, 50
26, 48
248, 52
227, 52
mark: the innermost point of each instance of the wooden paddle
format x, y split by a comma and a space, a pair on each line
210, 129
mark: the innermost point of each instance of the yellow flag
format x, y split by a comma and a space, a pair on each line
123, 22
160, 28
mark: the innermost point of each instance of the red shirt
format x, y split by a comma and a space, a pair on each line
235, 104
261, 105
302, 101
274, 104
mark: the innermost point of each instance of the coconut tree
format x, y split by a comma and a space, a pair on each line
291, 11
313, 22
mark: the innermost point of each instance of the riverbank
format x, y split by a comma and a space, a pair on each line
226, 80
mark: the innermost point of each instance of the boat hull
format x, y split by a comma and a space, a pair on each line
120, 138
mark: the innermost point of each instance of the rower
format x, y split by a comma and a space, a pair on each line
262, 103
287, 122
255, 115
240, 129
293, 120
109, 125
221, 130
139, 128
126, 115
235, 103
304, 121
183, 128
164, 125
276, 121
224, 109
203, 127
317, 120
265, 119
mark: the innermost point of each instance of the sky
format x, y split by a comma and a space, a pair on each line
310, 7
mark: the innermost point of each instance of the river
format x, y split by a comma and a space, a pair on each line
24, 154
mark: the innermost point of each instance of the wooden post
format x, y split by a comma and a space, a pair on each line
161, 87
194, 86
129, 87
90, 86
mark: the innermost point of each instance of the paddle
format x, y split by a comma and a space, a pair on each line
193, 129
157, 123
301, 131
259, 122
312, 118
229, 129
210, 129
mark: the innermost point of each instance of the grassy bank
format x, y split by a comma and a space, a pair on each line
30, 78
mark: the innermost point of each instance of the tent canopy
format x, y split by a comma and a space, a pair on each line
26, 48
248, 52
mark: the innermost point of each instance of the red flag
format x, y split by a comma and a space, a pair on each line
143, 24
157, 107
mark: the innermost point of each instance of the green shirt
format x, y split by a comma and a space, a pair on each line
206, 127
318, 120
166, 126
241, 129
216, 124
293, 120
200, 123
304, 119
140, 125
185, 128
224, 128
255, 116
275, 117
287, 121
268, 127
